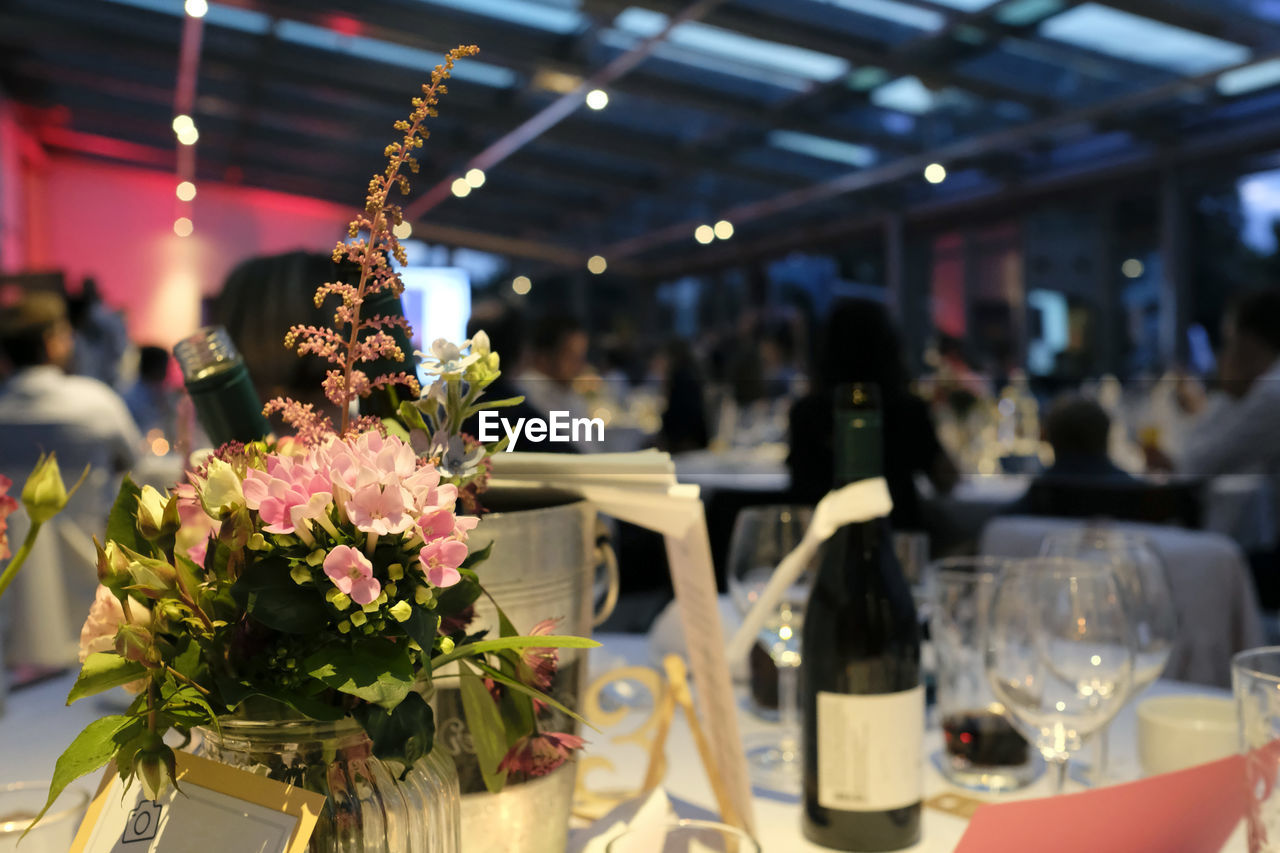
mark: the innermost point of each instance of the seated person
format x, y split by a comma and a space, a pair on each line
1078, 430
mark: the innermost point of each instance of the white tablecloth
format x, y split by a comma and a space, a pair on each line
757, 469
778, 818
38, 726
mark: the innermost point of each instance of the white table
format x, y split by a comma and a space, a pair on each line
756, 469
778, 820
38, 726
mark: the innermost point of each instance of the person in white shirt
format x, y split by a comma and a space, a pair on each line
558, 357
1239, 435
83, 421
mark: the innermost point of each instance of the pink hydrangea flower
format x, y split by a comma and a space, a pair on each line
379, 509
540, 753
352, 573
440, 560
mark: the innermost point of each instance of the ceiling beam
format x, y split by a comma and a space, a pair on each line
865, 179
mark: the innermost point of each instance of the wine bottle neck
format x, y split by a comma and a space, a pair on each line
858, 444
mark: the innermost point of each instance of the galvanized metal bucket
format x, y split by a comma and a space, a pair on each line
548, 550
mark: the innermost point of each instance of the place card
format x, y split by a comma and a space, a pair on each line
219, 808
1194, 809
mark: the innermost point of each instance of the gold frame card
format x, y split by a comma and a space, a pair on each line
218, 808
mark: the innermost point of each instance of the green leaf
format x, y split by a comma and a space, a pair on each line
103, 671
477, 557
122, 523
272, 597
374, 670
496, 645
412, 417
405, 734
460, 596
234, 692
92, 748
520, 687
484, 722
421, 626
190, 576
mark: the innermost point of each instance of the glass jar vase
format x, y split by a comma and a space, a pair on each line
370, 809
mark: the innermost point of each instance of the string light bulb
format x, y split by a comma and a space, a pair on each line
474, 178
724, 229
196, 8
521, 285
935, 173
183, 227
182, 122
597, 99
461, 188
596, 264
186, 191
704, 234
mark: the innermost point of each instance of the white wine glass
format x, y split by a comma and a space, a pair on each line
762, 536
1148, 602
1060, 653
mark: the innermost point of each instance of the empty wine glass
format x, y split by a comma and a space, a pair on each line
1059, 653
1148, 602
762, 536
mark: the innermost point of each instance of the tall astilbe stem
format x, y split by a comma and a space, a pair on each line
354, 339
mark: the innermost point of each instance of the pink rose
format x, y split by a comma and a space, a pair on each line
105, 618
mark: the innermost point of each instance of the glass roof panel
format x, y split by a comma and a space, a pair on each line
472, 71
906, 94
553, 18
823, 148
1250, 78
1138, 39
891, 10
966, 5
722, 44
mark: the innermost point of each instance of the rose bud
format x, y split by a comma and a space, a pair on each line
155, 766
44, 494
157, 514
113, 566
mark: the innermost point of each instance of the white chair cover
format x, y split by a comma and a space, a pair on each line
1212, 589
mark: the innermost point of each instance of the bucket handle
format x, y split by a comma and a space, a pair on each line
608, 560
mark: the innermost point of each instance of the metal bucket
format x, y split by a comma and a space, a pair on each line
547, 551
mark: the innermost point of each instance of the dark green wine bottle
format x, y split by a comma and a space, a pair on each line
861, 695
226, 403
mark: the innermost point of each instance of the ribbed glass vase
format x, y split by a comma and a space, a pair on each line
369, 809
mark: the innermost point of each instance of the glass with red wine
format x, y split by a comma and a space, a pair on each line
981, 749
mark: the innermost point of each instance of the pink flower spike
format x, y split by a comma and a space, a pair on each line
374, 509
352, 573
540, 753
440, 560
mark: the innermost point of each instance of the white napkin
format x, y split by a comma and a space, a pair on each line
860, 501
647, 815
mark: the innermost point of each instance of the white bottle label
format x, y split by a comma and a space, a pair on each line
869, 750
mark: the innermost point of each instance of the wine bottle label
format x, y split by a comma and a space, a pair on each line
869, 750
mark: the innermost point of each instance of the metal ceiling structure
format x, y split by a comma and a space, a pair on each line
790, 118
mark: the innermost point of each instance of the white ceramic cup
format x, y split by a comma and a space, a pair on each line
1176, 732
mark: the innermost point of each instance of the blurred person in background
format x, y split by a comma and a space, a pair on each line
557, 358
1237, 434
1079, 430
83, 421
152, 400
505, 326
684, 420
100, 337
860, 344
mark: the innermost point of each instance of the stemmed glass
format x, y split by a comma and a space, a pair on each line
762, 536
1147, 598
1060, 653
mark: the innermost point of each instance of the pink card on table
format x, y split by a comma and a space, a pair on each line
1192, 810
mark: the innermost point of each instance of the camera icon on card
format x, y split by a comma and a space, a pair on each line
143, 822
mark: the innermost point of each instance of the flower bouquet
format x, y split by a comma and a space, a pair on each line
325, 576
